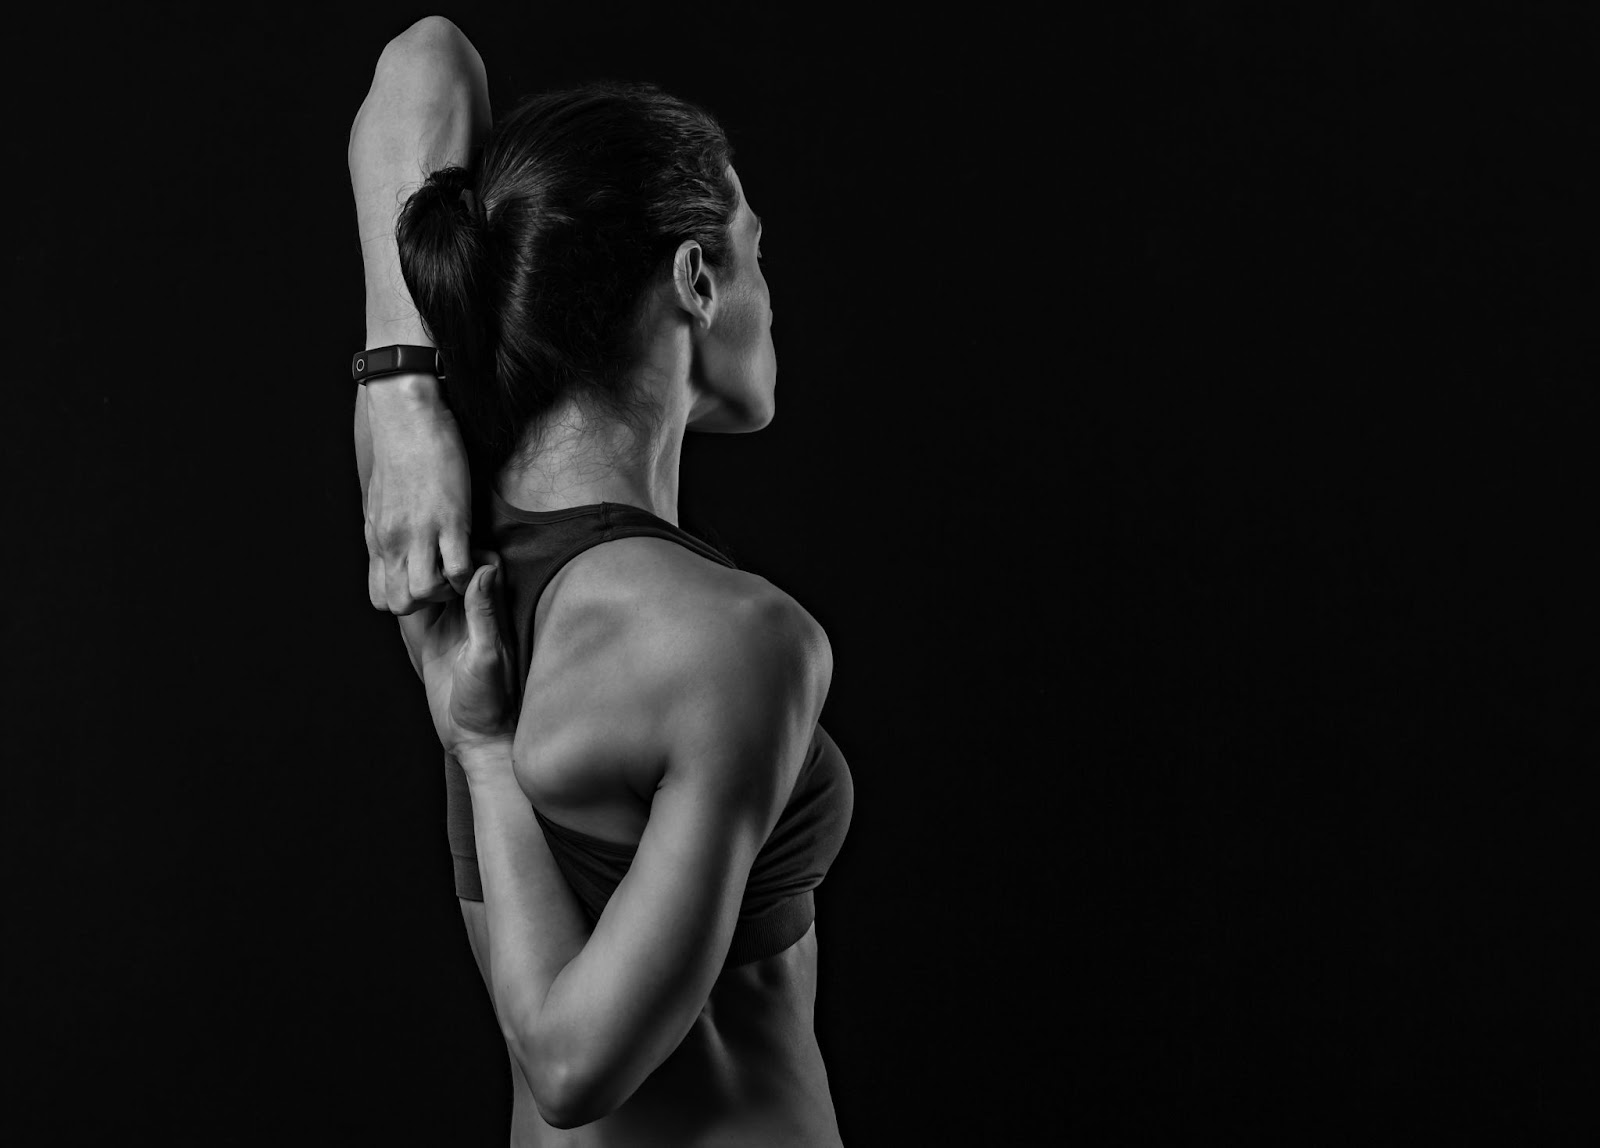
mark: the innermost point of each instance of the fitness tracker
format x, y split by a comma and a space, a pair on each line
400, 359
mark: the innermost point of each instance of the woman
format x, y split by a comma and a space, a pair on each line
638, 837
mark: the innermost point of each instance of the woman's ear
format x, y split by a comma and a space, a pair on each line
694, 284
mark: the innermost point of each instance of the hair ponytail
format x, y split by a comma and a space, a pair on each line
445, 260
528, 270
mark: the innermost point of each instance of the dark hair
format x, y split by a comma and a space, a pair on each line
529, 271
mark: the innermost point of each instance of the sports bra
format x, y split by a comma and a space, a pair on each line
778, 905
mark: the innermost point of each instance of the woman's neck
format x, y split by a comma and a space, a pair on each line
584, 460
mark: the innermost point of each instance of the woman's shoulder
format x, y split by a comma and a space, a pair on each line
627, 624
644, 644
650, 584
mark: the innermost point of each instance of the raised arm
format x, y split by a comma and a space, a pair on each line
427, 107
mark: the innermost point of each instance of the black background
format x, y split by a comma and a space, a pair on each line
1186, 435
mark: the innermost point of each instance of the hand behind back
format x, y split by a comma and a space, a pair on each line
465, 667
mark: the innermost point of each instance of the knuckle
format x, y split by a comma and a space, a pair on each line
392, 535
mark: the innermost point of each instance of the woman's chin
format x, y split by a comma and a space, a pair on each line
728, 418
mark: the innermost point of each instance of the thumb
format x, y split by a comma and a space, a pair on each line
482, 632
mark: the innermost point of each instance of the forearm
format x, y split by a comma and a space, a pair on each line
427, 107
536, 925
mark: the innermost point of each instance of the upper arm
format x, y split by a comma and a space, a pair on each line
736, 692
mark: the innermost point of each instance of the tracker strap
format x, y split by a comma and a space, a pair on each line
399, 359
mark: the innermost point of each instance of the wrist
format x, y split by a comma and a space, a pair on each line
390, 316
408, 392
485, 761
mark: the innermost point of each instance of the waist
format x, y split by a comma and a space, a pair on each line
749, 1071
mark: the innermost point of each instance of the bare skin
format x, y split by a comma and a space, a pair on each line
592, 740
428, 105
749, 1071
754, 1039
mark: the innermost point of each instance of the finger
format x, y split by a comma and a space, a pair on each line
454, 571
377, 590
482, 632
423, 580
414, 632
454, 556
397, 586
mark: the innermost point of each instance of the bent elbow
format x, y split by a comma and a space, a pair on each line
429, 34
558, 1118
429, 69
576, 1089
565, 1095
566, 1099
430, 58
